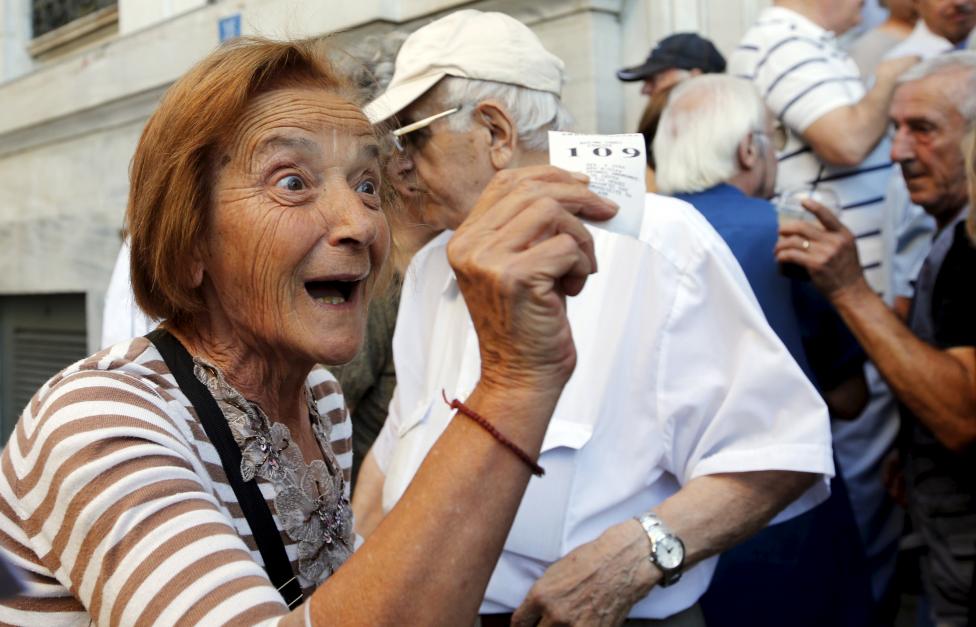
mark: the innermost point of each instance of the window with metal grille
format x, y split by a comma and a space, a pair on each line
48, 15
39, 336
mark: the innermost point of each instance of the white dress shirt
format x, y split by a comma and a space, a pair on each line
678, 375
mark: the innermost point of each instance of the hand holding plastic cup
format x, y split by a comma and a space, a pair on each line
789, 206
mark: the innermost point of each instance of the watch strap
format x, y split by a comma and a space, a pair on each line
656, 530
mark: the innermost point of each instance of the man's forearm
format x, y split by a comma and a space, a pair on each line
847, 135
599, 582
712, 514
871, 114
934, 385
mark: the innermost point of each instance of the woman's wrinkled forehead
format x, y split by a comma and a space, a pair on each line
308, 109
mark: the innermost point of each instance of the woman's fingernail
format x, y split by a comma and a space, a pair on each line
612, 204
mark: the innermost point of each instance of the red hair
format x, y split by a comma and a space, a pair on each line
173, 169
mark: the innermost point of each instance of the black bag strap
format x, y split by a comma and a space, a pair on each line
252, 502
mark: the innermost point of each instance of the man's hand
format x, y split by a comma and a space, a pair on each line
595, 584
828, 251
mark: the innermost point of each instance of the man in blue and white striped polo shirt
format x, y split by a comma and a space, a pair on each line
837, 140
836, 127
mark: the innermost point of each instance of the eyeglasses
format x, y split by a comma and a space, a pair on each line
401, 144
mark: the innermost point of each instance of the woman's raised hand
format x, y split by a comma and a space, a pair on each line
518, 254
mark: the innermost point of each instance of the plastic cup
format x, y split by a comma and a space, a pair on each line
789, 207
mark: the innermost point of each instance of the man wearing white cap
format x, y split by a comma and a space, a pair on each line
686, 425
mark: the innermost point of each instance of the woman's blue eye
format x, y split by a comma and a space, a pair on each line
292, 183
366, 187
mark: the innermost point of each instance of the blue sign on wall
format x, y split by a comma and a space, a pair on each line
229, 27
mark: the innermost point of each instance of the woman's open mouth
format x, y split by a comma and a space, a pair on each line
333, 292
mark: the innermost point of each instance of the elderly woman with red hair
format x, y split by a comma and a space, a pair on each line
199, 474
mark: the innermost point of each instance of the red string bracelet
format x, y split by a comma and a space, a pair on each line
461, 408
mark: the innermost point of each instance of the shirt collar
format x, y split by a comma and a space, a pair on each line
450, 287
722, 189
450, 283
922, 31
959, 218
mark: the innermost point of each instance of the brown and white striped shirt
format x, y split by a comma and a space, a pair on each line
115, 507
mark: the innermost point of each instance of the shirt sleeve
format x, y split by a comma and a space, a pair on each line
121, 509
385, 442
800, 83
732, 398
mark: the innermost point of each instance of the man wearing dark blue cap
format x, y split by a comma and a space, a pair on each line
674, 59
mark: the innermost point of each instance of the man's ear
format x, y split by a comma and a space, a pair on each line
748, 153
495, 119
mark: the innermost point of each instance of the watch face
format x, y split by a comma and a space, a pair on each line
669, 552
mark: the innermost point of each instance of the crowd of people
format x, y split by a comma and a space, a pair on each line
759, 411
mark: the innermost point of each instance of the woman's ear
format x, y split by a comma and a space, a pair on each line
196, 266
503, 134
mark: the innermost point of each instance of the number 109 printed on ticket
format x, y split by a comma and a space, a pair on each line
615, 165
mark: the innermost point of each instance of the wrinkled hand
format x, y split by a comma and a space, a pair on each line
595, 584
520, 251
828, 251
891, 69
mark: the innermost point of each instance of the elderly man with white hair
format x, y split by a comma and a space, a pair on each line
668, 445
716, 143
930, 362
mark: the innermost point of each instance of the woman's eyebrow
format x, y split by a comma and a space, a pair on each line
275, 142
368, 154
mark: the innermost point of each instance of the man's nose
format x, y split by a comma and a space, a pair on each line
902, 145
403, 173
964, 6
648, 88
402, 165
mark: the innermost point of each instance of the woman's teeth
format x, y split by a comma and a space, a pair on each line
332, 300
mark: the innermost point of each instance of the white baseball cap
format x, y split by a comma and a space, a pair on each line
468, 44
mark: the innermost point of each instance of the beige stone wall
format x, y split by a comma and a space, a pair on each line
69, 121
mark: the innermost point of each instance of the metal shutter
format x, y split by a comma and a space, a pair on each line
41, 335
38, 354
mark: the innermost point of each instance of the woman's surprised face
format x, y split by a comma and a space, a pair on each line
297, 235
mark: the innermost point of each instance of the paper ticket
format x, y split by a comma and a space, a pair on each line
615, 165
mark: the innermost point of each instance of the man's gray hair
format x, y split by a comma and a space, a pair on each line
371, 62
697, 141
534, 112
964, 96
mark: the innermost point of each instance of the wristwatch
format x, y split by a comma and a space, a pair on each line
667, 549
